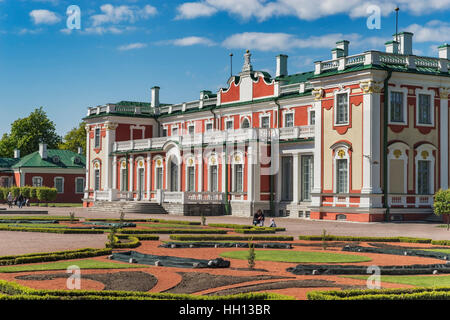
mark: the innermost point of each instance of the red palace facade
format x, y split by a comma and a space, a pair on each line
362, 137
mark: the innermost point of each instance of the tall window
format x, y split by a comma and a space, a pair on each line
209, 126
96, 180
289, 120
159, 178
245, 124
124, 180
191, 129
397, 107
174, 131
424, 109
213, 178
229, 125
97, 138
191, 179
265, 122
164, 132
59, 185
312, 117
423, 171
287, 178
37, 182
173, 176
341, 176
238, 176
342, 108
307, 177
79, 185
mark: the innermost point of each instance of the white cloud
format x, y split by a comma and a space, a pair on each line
305, 9
132, 46
120, 14
432, 31
283, 41
106, 30
44, 17
189, 41
192, 10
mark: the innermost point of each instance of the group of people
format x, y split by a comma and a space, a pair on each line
258, 220
19, 200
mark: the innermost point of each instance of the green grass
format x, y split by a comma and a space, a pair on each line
297, 256
62, 265
418, 281
438, 250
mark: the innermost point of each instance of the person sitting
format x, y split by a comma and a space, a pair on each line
256, 218
272, 223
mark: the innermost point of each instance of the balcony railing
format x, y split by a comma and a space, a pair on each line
191, 197
410, 200
217, 137
378, 58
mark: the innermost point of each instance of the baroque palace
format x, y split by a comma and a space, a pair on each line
362, 137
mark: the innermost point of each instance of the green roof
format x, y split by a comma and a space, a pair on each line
66, 159
296, 78
7, 162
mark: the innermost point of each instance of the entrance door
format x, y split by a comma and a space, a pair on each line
141, 183
286, 179
307, 177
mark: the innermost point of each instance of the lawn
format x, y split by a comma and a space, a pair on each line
418, 281
297, 256
439, 250
62, 265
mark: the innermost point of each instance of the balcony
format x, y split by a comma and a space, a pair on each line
217, 137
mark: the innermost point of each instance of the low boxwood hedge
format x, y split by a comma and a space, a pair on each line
174, 231
438, 293
230, 237
365, 239
192, 223
254, 231
51, 230
14, 291
441, 242
53, 256
144, 237
133, 242
115, 220
230, 225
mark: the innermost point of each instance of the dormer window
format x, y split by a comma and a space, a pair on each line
55, 159
76, 160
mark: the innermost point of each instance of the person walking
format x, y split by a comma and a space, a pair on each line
261, 218
10, 199
20, 200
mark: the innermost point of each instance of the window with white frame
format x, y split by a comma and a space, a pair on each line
191, 129
5, 182
191, 178
245, 123
342, 107
158, 173
424, 109
37, 181
265, 121
208, 126
312, 117
59, 184
97, 138
425, 169
229, 124
237, 173
397, 107
307, 176
423, 176
174, 131
96, 179
79, 185
164, 132
213, 178
123, 176
341, 176
289, 119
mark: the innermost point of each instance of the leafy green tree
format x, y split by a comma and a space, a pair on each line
441, 205
27, 133
75, 138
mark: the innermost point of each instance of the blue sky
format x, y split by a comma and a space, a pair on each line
125, 47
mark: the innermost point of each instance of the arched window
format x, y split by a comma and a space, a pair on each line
237, 163
213, 169
190, 173
245, 123
398, 167
425, 172
140, 177
123, 176
159, 173
342, 158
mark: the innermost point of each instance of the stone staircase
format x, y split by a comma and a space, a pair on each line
128, 207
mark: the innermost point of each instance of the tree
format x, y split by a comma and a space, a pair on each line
75, 138
441, 205
27, 133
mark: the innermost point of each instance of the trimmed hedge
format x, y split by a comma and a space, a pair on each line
134, 243
438, 293
115, 220
441, 242
52, 230
14, 291
365, 239
192, 223
253, 231
53, 256
230, 237
146, 237
175, 231
230, 225
22, 218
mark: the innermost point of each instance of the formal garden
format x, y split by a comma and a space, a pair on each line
148, 259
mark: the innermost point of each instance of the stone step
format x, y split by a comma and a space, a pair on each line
128, 207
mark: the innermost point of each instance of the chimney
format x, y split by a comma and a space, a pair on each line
16, 154
80, 150
337, 53
282, 65
405, 42
343, 45
392, 47
444, 51
43, 150
155, 97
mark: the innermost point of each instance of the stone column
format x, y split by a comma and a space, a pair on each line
131, 174
88, 162
109, 140
114, 173
443, 148
317, 187
149, 175
296, 178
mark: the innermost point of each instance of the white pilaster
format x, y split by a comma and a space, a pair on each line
88, 162
224, 172
149, 175
317, 187
131, 173
109, 140
296, 180
443, 148
200, 171
250, 165
114, 173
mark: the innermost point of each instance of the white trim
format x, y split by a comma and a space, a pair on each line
337, 157
403, 147
404, 91
32, 181
429, 149
287, 112
188, 157
54, 183
432, 94
265, 115
76, 183
156, 167
207, 122
243, 118
335, 94
210, 164
231, 119
137, 127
